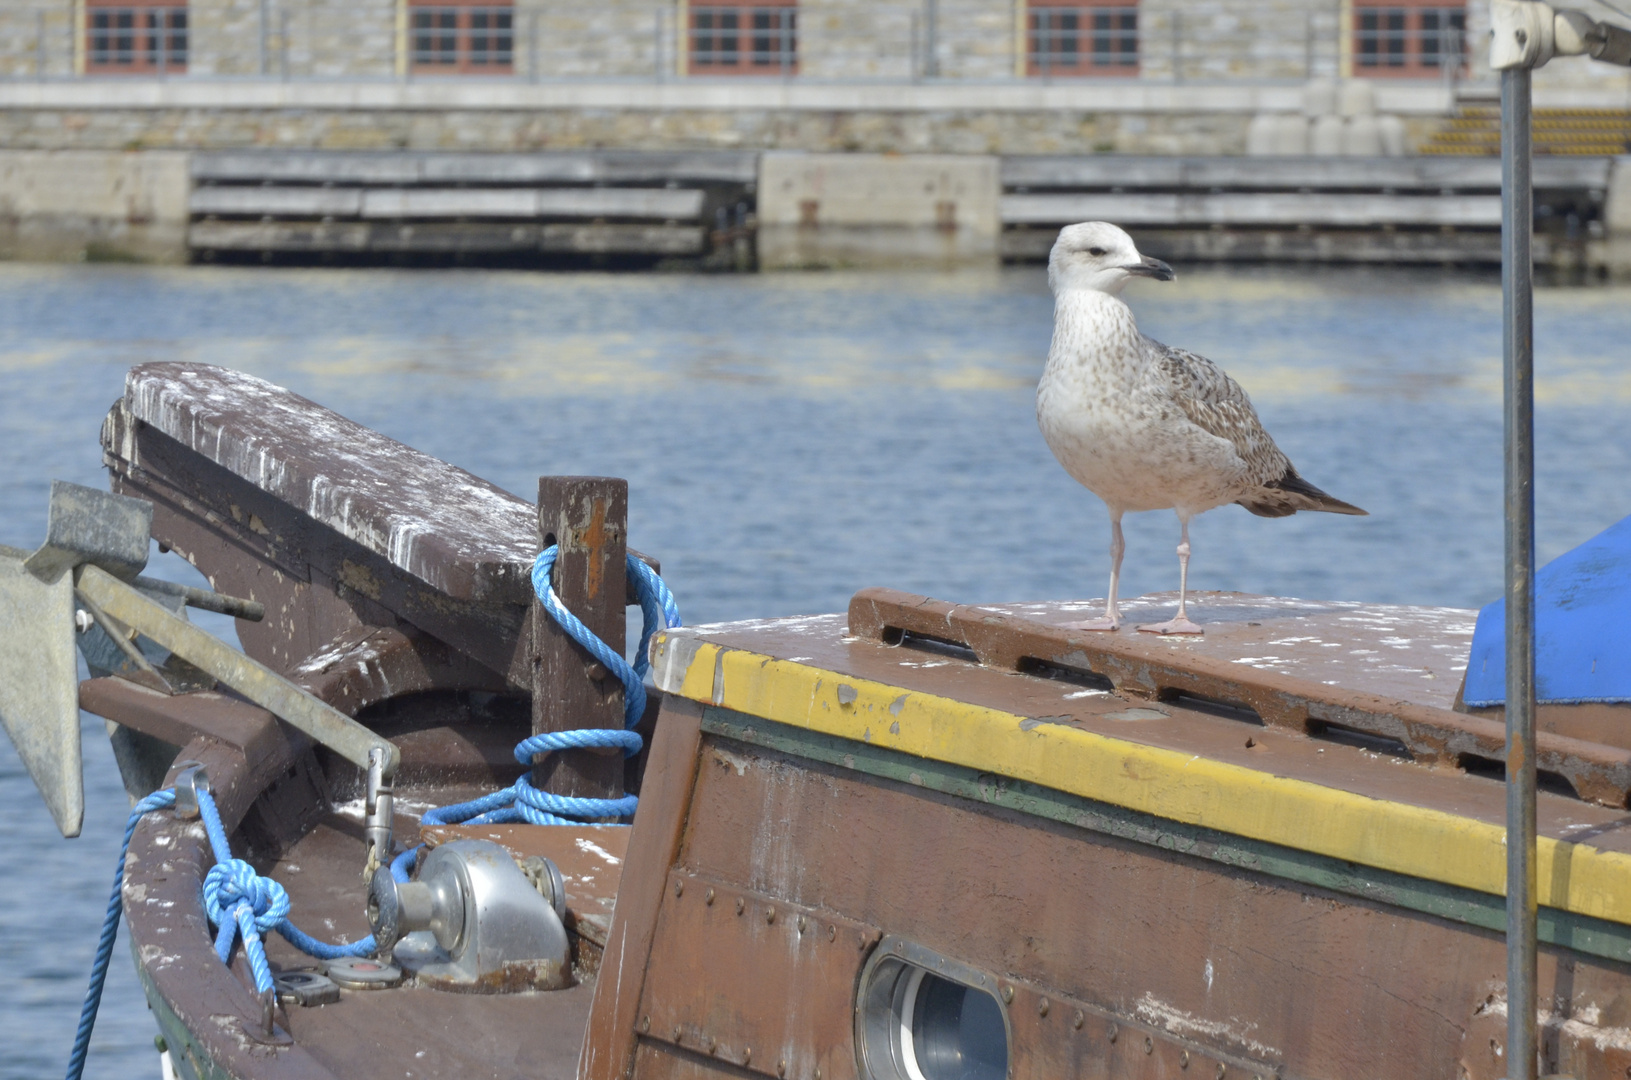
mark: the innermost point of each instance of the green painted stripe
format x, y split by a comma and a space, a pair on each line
1580, 933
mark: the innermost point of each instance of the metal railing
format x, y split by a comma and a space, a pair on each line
889, 41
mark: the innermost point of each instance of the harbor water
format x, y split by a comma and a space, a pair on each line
791, 438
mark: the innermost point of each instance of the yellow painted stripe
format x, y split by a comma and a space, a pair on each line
1405, 839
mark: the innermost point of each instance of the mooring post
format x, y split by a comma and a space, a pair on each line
587, 517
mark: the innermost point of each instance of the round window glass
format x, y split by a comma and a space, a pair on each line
952, 1032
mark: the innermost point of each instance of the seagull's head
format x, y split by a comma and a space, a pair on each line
1098, 256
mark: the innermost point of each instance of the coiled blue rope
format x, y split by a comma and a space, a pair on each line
238, 901
523, 802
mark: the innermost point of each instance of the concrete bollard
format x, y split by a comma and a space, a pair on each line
877, 209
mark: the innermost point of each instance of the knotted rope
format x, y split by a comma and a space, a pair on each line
240, 903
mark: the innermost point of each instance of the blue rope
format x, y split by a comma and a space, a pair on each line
244, 905
523, 802
238, 901
110, 930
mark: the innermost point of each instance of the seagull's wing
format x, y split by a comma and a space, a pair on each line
1215, 403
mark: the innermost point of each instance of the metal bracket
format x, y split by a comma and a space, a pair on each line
255, 681
1528, 33
379, 808
190, 781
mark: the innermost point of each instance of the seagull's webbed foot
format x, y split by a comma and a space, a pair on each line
1180, 625
1107, 623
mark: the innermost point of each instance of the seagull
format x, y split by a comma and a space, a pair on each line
1145, 426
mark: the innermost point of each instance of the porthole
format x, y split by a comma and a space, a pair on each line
923, 1016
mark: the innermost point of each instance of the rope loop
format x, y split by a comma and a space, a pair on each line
233, 883
523, 802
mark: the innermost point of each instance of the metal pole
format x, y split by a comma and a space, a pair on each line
39, 44
283, 43
1517, 309
265, 44
657, 45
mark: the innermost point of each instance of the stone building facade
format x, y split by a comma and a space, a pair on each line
953, 76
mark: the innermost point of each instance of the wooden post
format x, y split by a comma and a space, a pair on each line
588, 517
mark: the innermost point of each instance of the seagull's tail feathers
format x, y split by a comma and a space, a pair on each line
1291, 493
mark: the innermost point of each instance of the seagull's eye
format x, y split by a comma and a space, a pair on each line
1095, 251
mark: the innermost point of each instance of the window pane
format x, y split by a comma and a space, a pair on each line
124, 37
177, 43
101, 39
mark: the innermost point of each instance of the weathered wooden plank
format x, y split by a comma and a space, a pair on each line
586, 518
446, 237
1277, 208
445, 526
662, 204
1289, 244
449, 202
276, 201
431, 167
1290, 173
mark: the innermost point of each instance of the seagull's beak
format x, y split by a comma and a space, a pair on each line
1148, 267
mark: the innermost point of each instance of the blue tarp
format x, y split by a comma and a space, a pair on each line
1582, 628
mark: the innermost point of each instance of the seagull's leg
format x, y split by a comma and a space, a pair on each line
1180, 624
1112, 614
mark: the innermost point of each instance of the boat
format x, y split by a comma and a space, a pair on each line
910, 841
914, 840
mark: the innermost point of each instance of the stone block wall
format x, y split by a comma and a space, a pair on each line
604, 39
298, 38
36, 39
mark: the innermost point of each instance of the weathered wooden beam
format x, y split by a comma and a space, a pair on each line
442, 167
587, 516
1255, 209
442, 237
1428, 174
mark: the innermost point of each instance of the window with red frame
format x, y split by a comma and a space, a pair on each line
1408, 39
1073, 37
747, 38
135, 37
457, 38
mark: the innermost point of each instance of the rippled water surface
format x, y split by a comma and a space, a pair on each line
789, 439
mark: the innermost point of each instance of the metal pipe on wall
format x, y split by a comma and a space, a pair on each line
1518, 360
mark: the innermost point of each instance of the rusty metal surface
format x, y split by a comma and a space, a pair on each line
1299, 666
753, 980
1327, 758
654, 843
1263, 976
